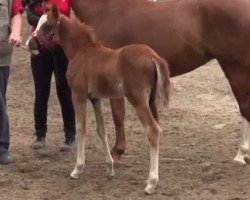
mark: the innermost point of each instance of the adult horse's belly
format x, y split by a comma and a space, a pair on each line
178, 41
172, 29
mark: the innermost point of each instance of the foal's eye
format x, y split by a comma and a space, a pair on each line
47, 9
46, 28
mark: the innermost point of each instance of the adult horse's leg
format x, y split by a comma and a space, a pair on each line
244, 143
81, 112
238, 77
118, 113
97, 105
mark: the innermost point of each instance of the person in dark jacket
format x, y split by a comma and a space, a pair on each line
43, 65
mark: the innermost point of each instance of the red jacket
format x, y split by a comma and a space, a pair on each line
64, 7
17, 7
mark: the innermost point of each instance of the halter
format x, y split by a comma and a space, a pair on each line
53, 30
46, 37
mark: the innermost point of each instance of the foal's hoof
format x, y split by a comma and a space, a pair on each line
151, 184
110, 170
149, 189
110, 174
75, 175
240, 160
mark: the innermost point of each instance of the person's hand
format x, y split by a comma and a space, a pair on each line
15, 39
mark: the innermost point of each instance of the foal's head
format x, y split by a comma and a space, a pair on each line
47, 30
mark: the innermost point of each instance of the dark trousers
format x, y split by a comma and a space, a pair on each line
4, 121
43, 65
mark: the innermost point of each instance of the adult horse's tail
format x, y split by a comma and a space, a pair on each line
161, 89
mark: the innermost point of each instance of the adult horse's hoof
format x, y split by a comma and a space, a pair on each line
247, 159
240, 160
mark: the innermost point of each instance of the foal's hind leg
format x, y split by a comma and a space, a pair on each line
152, 130
118, 114
238, 77
80, 110
97, 105
153, 108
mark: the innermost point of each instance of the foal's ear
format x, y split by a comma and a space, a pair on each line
55, 11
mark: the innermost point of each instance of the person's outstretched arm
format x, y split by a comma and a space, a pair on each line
16, 23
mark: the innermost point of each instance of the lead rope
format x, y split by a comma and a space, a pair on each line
22, 46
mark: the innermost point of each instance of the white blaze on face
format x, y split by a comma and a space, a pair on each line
41, 21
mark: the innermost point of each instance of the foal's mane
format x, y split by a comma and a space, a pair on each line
85, 30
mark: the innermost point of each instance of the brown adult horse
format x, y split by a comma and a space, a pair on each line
187, 33
96, 72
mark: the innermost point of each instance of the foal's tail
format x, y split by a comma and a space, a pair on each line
161, 89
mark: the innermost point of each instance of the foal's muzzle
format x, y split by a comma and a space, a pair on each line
33, 43
39, 42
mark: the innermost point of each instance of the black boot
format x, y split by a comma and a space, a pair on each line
39, 142
69, 143
5, 158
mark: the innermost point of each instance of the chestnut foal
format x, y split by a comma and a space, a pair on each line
96, 72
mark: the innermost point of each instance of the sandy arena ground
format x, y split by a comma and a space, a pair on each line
200, 139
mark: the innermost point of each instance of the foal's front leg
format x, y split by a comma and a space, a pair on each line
80, 110
97, 105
